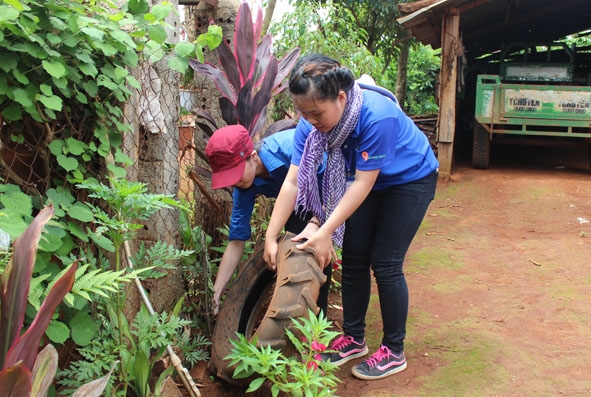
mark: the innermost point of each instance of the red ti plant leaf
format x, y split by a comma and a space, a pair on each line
202, 113
263, 96
258, 124
26, 346
244, 105
285, 66
15, 282
228, 62
219, 78
263, 57
258, 24
229, 111
250, 75
245, 42
15, 381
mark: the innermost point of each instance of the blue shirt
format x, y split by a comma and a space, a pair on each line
385, 138
275, 153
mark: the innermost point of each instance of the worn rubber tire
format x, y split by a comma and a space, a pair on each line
480, 147
291, 293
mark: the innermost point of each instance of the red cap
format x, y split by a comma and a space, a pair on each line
227, 151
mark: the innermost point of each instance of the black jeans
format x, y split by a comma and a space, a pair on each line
377, 236
296, 224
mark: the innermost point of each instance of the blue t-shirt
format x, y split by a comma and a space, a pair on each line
385, 138
275, 153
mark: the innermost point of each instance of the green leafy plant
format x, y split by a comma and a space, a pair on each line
148, 339
142, 345
196, 269
193, 348
119, 207
424, 64
93, 279
302, 375
24, 371
65, 76
249, 77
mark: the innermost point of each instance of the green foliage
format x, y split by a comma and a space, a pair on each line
64, 75
97, 356
158, 257
248, 245
141, 347
24, 371
579, 40
119, 207
325, 28
423, 68
306, 375
99, 282
193, 349
197, 266
15, 281
92, 279
362, 35
17, 208
379, 21
127, 202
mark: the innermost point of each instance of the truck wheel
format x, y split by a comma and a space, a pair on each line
480, 147
261, 305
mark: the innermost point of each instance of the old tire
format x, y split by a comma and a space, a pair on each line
255, 291
480, 147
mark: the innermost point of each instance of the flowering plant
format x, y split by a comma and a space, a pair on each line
306, 375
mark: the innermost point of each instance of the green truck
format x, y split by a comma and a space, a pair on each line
539, 92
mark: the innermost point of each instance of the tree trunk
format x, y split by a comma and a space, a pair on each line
402, 75
153, 147
268, 15
198, 19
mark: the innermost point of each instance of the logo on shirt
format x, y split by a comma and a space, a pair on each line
366, 156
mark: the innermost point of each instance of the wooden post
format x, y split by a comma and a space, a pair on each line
451, 47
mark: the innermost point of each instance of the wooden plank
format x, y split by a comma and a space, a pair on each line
451, 48
409, 8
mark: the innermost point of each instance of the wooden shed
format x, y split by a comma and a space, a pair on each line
468, 29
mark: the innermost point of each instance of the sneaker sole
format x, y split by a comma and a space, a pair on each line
385, 374
351, 357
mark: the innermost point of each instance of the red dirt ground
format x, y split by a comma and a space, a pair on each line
500, 281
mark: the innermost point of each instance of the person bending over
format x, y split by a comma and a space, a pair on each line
380, 177
252, 170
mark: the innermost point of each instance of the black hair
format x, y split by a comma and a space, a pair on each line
321, 77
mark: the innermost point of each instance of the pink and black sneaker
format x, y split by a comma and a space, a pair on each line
345, 349
381, 364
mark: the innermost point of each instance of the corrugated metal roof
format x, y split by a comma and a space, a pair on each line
486, 24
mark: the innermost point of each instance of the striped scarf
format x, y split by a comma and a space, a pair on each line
334, 180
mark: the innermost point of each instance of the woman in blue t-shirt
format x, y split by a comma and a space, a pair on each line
378, 182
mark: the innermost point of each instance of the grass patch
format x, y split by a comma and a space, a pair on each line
429, 258
463, 360
453, 286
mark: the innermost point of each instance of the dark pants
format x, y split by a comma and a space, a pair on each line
377, 236
296, 224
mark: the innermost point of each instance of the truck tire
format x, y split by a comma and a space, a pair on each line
260, 305
480, 147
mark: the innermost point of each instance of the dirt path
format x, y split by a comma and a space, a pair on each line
500, 283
